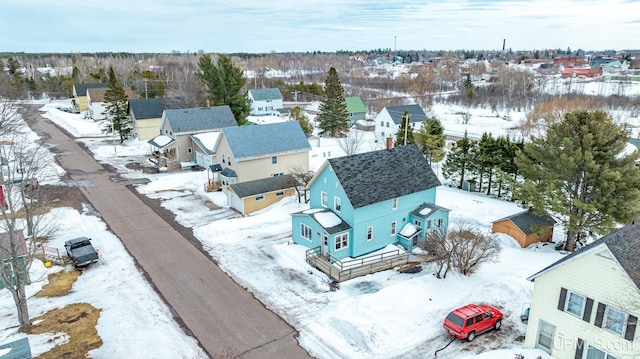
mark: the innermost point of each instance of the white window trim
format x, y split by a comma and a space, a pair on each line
624, 322
324, 198
394, 203
337, 204
394, 228
370, 233
607, 355
303, 231
566, 304
260, 198
346, 235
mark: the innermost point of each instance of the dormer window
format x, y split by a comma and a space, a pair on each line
394, 203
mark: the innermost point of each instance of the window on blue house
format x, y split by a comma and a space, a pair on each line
342, 241
337, 204
369, 233
305, 231
393, 228
440, 222
323, 199
394, 203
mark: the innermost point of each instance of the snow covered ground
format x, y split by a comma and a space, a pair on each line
384, 315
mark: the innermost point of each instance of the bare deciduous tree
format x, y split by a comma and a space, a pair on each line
301, 178
22, 210
461, 250
351, 143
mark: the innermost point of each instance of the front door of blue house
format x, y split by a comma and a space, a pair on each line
324, 245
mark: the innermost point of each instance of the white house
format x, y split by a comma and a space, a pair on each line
265, 101
389, 119
587, 304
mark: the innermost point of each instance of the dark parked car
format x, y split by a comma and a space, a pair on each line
81, 251
471, 320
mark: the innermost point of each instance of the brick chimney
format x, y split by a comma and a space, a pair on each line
208, 103
389, 143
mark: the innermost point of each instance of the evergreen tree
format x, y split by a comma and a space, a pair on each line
224, 82
333, 116
153, 86
296, 114
116, 109
578, 173
458, 159
404, 136
431, 139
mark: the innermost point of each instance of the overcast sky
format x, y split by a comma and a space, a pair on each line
258, 26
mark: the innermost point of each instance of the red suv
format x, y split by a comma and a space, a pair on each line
471, 320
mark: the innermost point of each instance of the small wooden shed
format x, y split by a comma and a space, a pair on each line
525, 227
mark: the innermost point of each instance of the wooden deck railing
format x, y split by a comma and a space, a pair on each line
344, 270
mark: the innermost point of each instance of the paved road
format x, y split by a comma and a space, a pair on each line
226, 319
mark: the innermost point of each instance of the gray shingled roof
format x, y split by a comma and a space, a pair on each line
200, 119
228, 172
635, 142
433, 207
248, 142
623, 243
263, 185
527, 221
416, 114
377, 176
81, 89
266, 94
145, 108
341, 227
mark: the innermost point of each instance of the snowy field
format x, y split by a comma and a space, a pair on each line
384, 315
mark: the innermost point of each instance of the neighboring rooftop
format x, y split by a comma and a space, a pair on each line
624, 245
263, 185
355, 105
81, 89
200, 119
145, 108
248, 142
266, 94
528, 221
416, 114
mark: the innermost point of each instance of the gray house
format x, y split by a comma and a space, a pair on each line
356, 108
174, 144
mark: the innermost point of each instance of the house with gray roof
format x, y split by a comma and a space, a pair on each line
384, 197
146, 114
587, 304
80, 102
252, 196
388, 121
250, 153
525, 227
266, 101
181, 124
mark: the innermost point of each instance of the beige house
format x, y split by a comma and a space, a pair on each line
146, 114
80, 95
174, 144
250, 153
248, 197
587, 304
97, 106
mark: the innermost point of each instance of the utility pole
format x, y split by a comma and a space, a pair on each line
406, 128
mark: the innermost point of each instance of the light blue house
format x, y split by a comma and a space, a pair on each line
362, 203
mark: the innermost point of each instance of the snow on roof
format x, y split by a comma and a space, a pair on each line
425, 211
313, 210
327, 219
208, 139
162, 140
408, 230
